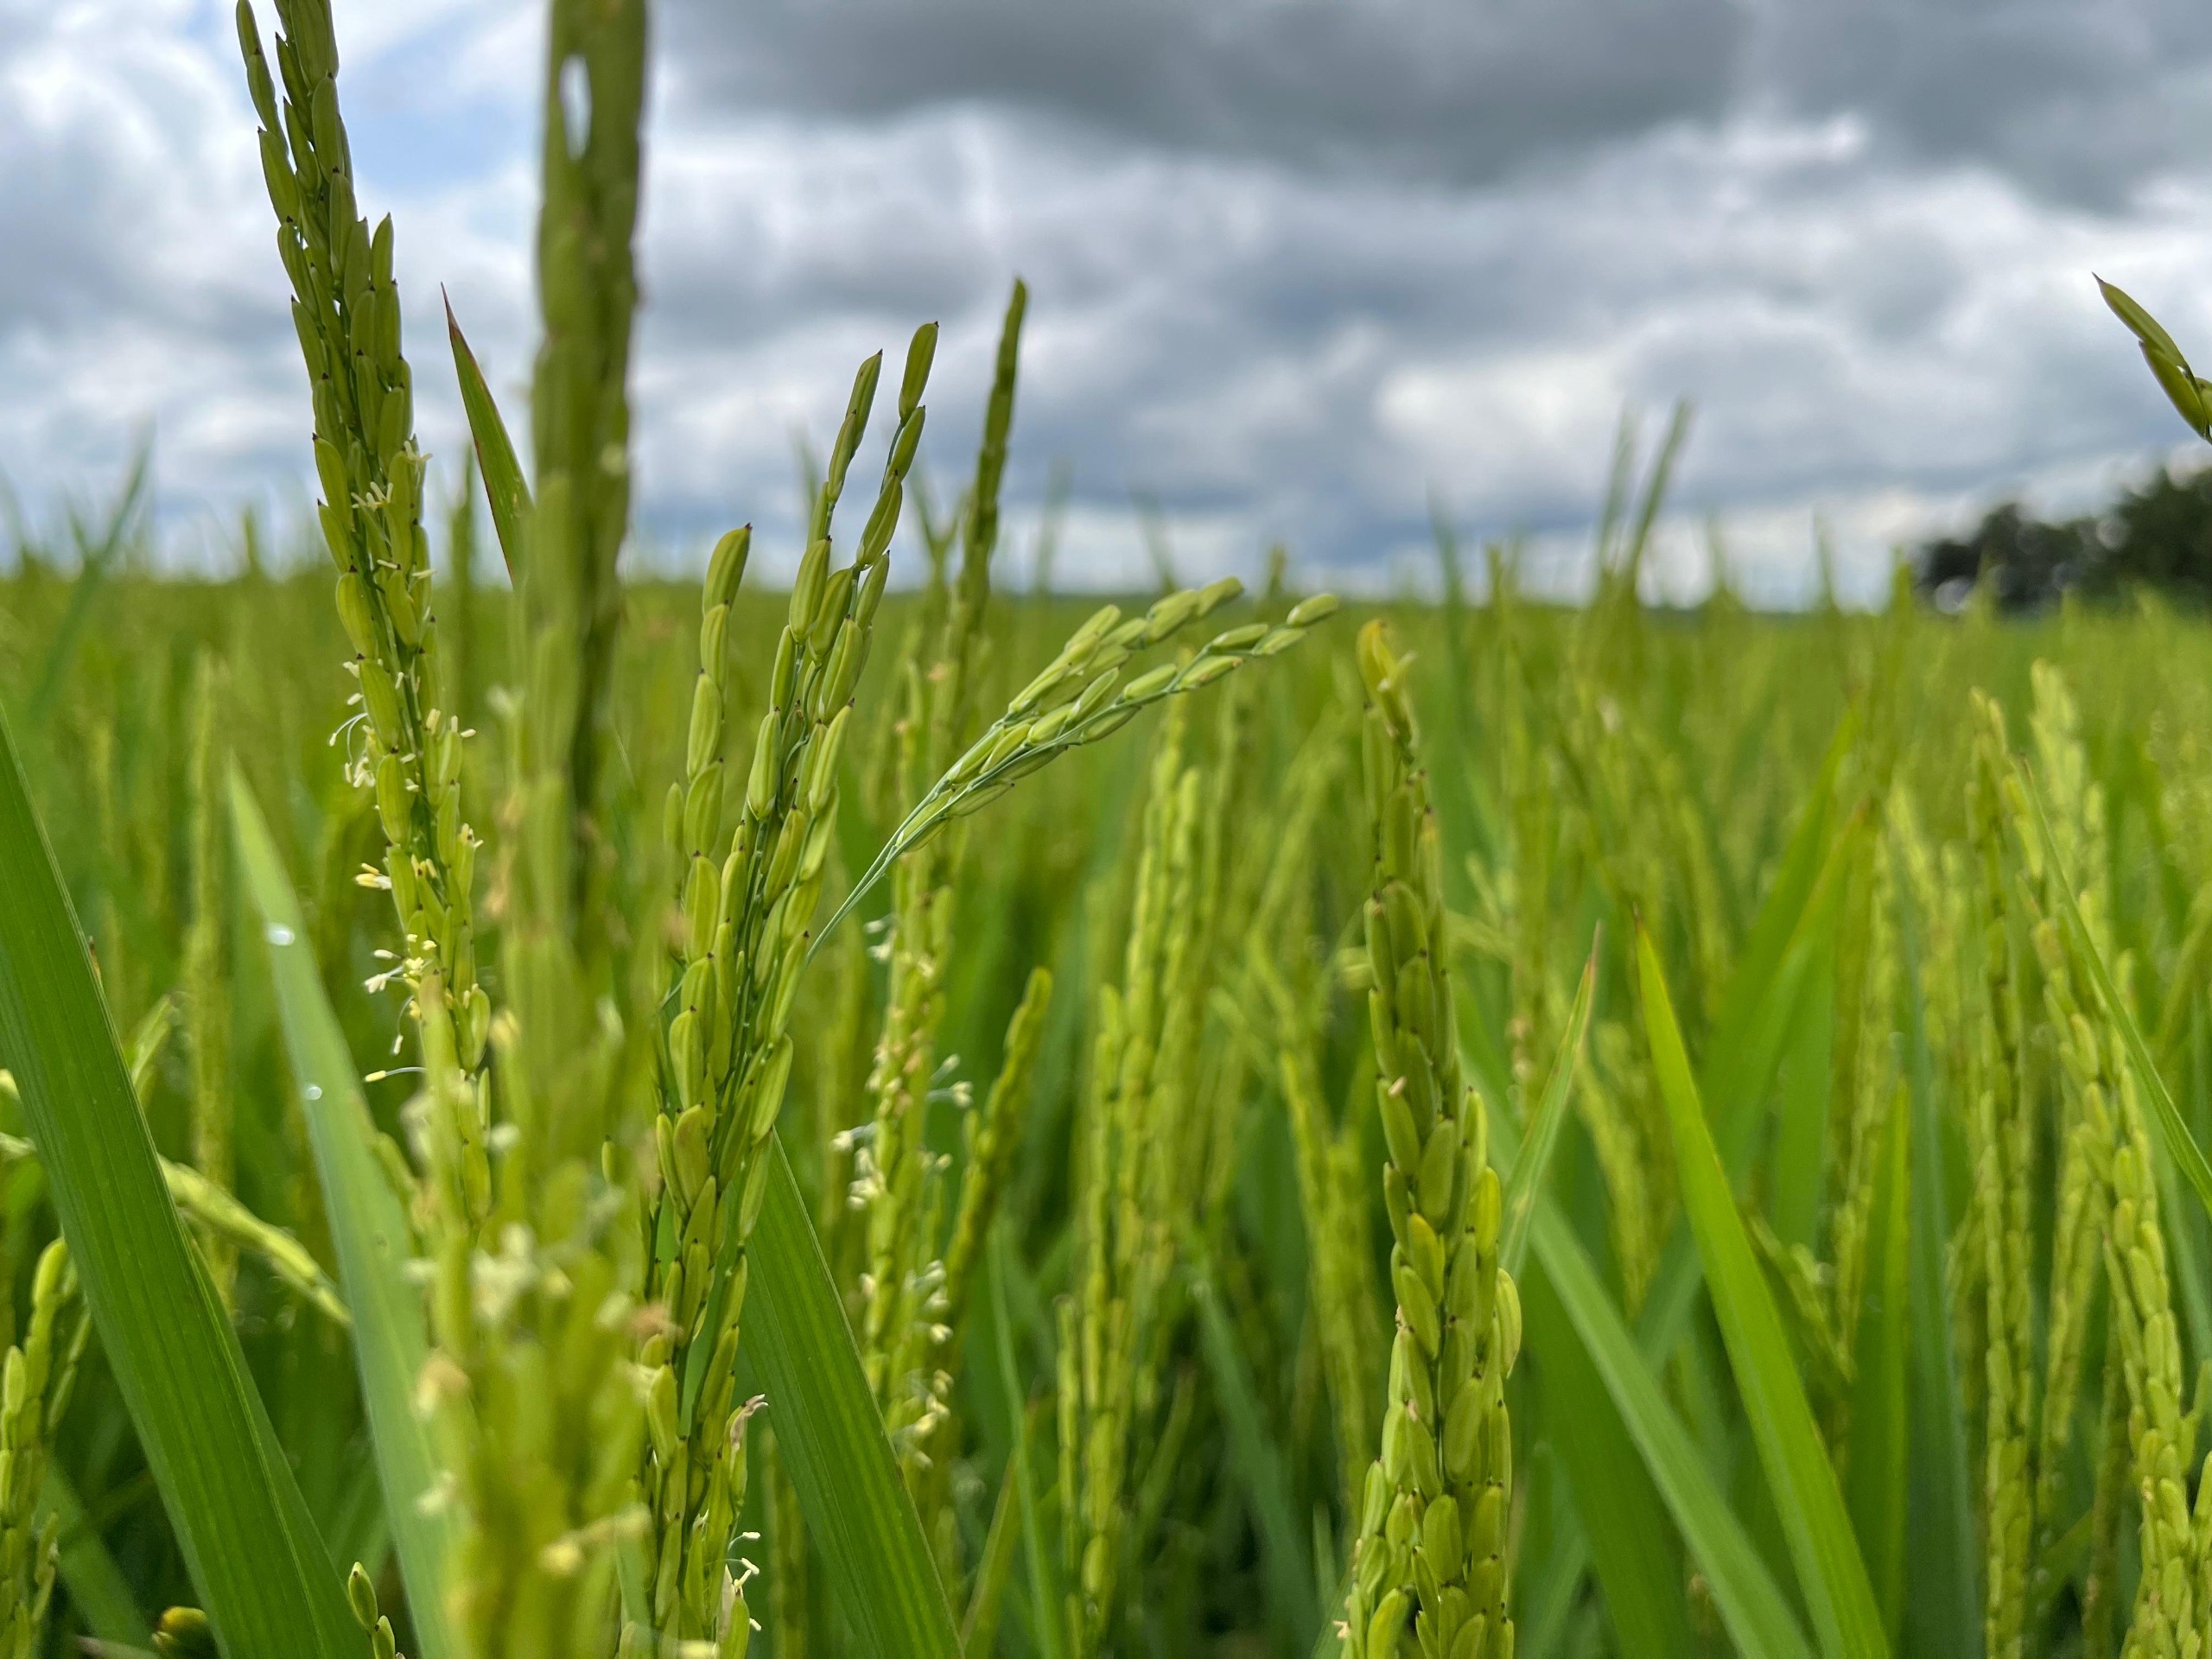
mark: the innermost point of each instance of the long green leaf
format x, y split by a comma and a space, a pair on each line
368, 1228
1257, 1457
1534, 1158
1945, 1598
1751, 1606
1732, 1060
505, 486
1631, 1541
1817, 1527
1760, 1008
1796, 1172
98, 1590
2184, 1238
1663, 1461
831, 1439
1738, 1087
1550, 1587
979, 1625
95, 560
1044, 1586
1880, 1436
1547, 1589
261, 1573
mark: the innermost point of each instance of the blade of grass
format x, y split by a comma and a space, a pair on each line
1765, 1000
1632, 1409
355, 1521
1255, 1454
1797, 1158
1732, 1062
95, 560
1742, 1058
1534, 1157
1880, 1436
1830, 1572
262, 1574
504, 487
979, 1625
1655, 492
98, 1590
858, 1514
1550, 1586
1328, 1645
2183, 1238
1631, 1545
994, 1574
1751, 1606
368, 1228
1945, 1598
1741, 1087
1043, 1587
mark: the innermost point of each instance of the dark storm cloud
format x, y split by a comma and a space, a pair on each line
1339, 244
2079, 100
1438, 88
2083, 99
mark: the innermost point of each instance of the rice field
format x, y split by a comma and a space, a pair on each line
545, 1114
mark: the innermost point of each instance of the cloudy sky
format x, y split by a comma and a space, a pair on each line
1299, 267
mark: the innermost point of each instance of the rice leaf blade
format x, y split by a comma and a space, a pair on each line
1289, 1574
1880, 1426
1798, 1173
97, 1587
1631, 1544
263, 1576
504, 487
1740, 1087
1753, 1606
1733, 1061
1527, 1179
1944, 1595
1831, 1573
95, 560
368, 1229
1044, 1587
858, 1514
979, 1624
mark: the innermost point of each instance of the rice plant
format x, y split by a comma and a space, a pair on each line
602, 1116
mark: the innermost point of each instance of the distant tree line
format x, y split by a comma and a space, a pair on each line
2156, 534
